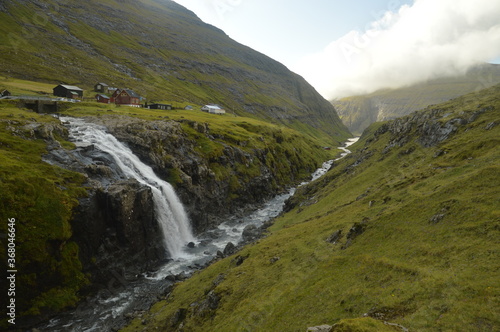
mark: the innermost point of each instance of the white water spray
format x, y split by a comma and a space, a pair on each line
169, 210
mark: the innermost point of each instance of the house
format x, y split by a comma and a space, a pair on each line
68, 91
101, 87
5, 93
213, 109
102, 98
188, 107
126, 97
157, 106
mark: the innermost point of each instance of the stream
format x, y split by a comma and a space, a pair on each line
116, 304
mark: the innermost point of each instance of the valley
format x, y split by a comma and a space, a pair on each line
174, 219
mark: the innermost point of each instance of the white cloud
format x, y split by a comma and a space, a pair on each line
429, 39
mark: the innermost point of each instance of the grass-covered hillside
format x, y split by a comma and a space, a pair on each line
160, 50
404, 231
42, 197
358, 112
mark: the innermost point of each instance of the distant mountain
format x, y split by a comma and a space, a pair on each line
159, 49
358, 112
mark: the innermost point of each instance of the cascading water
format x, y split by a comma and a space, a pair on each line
169, 210
108, 314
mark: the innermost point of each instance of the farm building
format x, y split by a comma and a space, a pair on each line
102, 98
68, 91
101, 87
157, 106
213, 109
126, 97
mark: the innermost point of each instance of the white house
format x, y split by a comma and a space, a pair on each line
213, 109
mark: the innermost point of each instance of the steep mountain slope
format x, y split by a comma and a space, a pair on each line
358, 112
404, 230
159, 49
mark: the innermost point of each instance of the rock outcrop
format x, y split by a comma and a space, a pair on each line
117, 232
115, 226
174, 156
430, 127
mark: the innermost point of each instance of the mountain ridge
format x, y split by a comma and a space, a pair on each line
161, 49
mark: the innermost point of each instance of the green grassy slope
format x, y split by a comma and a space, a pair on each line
417, 207
358, 112
159, 49
42, 197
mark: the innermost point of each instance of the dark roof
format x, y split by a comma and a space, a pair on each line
131, 93
70, 87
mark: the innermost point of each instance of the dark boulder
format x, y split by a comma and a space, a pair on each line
229, 249
251, 233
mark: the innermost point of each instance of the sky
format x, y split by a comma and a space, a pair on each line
346, 48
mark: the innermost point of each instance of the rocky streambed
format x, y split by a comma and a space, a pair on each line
125, 295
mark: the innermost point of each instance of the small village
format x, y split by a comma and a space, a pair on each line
104, 94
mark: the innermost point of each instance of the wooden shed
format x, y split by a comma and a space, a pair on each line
157, 106
101, 87
102, 98
68, 91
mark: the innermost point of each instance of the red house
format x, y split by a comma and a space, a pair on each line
102, 98
126, 97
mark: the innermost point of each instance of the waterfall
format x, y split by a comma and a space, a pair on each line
169, 211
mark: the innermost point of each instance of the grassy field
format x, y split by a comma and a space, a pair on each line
418, 243
24, 87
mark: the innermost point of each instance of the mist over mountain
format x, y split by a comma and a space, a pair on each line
407, 45
358, 112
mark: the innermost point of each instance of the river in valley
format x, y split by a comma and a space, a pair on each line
114, 305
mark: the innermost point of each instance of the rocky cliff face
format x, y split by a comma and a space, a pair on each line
115, 226
117, 232
174, 155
